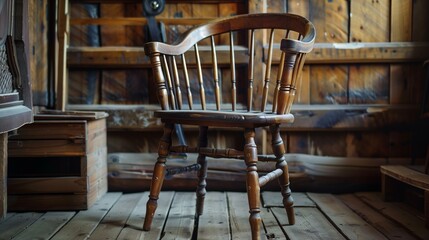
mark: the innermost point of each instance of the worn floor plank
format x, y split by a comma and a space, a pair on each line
309, 224
17, 223
214, 223
272, 228
397, 212
344, 218
318, 216
389, 228
84, 223
181, 219
161, 214
112, 224
46, 226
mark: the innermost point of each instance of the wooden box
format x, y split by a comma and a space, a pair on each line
58, 163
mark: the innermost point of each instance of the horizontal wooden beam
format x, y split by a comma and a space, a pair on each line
371, 52
130, 21
169, 1
323, 53
134, 57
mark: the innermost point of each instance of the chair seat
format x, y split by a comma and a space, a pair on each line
223, 118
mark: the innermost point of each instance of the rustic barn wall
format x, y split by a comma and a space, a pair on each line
358, 101
363, 107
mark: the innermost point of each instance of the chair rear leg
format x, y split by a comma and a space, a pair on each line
252, 182
279, 152
202, 173
158, 176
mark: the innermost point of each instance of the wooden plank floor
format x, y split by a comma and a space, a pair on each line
318, 216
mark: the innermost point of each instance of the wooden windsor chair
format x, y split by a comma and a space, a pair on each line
211, 100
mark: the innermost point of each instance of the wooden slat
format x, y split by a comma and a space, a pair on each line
44, 202
348, 222
3, 175
272, 228
214, 223
407, 175
323, 53
420, 20
57, 129
181, 220
84, 223
405, 216
46, 148
389, 228
309, 224
112, 224
239, 215
17, 223
46, 226
47, 185
138, 21
164, 203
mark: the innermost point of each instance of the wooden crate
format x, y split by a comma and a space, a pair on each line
57, 163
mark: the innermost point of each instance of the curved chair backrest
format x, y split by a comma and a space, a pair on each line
197, 74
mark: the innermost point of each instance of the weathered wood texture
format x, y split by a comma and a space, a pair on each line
319, 216
57, 165
367, 53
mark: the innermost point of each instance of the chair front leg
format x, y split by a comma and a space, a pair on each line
158, 175
279, 152
252, 182
202, 173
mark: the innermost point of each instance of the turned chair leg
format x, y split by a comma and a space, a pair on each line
279, 152
202, 173
252, 182
158, 176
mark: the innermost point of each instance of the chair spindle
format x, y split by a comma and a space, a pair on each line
278, 79
171, 100
215, 73
233, 78
200, 78
267, 72
176, 83
251, 70
187, 84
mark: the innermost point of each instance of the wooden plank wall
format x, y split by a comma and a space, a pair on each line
326, 90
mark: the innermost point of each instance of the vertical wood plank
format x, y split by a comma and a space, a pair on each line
406, 216
344, 218
164, 202
3, 175
84, 223
38, 54
300, 7
309, 224
272, 228
239, 216
331, 21
112, 224
383, 224
420, 21
62, 35
46, 226
214, 223
370, 22
206, 10
18, 223
181, 220
401, 16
